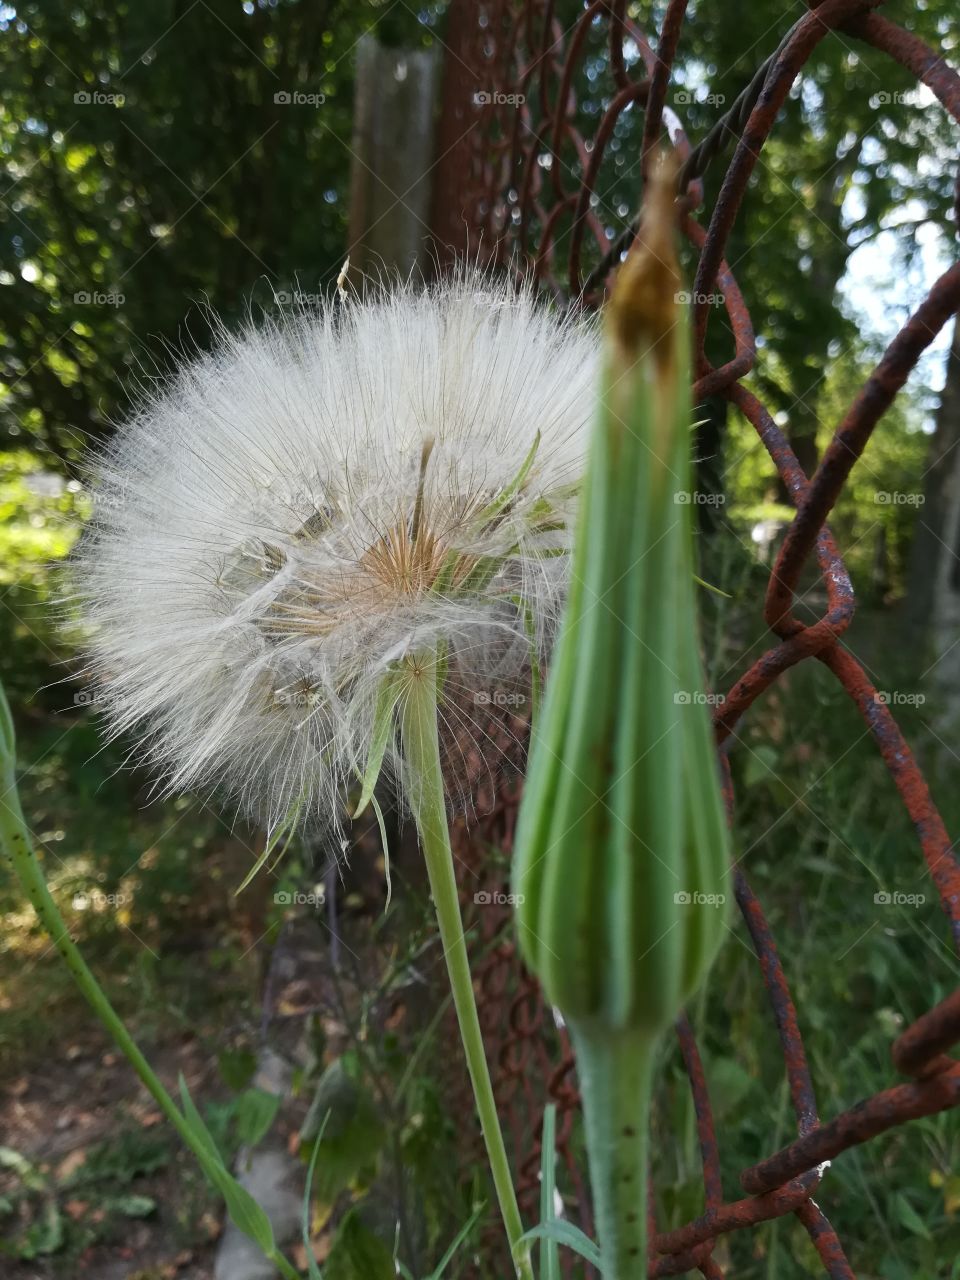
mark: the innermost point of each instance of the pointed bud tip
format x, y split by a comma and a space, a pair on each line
643, 308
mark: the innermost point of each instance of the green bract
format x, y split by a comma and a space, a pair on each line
622, 858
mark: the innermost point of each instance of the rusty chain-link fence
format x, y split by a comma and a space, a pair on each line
514, 169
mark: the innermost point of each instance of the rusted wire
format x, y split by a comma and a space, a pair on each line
508, 192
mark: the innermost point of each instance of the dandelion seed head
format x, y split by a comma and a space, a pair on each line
317, 501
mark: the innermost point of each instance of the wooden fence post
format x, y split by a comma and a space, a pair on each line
393, 154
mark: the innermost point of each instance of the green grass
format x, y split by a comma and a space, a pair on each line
146, 886
819, 831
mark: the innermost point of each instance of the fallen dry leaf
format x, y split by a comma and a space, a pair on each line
71, 1163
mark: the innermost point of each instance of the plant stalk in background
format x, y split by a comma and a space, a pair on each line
622, 846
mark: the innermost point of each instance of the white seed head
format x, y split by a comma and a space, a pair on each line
294, 514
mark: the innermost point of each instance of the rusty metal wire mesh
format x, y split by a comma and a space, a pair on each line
498, 200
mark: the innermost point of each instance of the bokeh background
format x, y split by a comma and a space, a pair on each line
170, 159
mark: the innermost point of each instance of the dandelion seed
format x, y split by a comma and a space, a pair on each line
315, 502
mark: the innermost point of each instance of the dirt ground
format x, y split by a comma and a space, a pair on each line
66, 1108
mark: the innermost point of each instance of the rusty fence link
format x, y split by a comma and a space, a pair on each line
497, 200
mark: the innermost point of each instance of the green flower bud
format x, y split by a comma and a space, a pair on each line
622, 845
621, 852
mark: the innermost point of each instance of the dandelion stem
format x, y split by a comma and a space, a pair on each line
426, 794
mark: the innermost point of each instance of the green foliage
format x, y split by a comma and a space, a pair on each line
819, 833
882, 500
353, 1130
840, 163
243, 1120
876, 515
243, 1209
39, 518
358, 1254
130, 877
44, 1213
132, 1153
153, 165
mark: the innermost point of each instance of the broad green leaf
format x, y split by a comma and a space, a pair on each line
237, 1067
256, 1109
353, 1133
244, 1210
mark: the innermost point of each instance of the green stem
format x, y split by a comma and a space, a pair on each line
421, 749
17, 848
616, 1072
